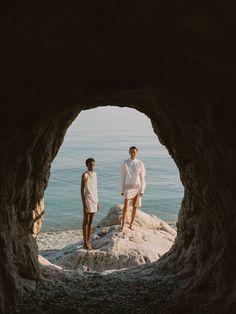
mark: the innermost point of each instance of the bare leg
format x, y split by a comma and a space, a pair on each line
85, 229
133, 214
90, 221
124, 211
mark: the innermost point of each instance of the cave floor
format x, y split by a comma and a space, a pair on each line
129, 291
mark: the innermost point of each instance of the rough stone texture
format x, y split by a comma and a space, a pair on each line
174, 61
56, 240
38, 218
133, 291
142, 220
113, 249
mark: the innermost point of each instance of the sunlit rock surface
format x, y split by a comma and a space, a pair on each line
113, 249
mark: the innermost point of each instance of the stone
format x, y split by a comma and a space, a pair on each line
44, 262
149, 240
38, 214
142, 220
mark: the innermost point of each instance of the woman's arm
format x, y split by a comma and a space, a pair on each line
98, 204
83, 179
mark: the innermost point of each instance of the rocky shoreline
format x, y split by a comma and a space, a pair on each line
116, 277
112, 249
136, 288
54, 240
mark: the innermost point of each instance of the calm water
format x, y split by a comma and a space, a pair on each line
106, 134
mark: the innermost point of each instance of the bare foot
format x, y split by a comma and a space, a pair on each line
90, 246
121, 228
87, 247
131, 227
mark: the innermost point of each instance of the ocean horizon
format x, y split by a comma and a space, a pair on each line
106, 133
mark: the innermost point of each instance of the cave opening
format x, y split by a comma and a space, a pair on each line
185, 266
173, 62
108, 138
106, 133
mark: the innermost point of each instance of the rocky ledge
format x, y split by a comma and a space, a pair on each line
151, 238
64, 288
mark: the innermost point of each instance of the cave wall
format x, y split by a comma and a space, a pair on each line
174, 62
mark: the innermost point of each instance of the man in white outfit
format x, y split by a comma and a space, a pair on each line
132, 184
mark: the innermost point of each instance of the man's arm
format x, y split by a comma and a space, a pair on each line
122, 179
142, 178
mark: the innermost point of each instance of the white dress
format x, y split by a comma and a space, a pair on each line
90, 192
132, 179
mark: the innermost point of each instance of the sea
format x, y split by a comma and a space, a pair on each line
105, 134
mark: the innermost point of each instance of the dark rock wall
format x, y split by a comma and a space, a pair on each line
174, 62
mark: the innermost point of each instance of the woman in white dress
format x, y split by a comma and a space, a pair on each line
132, 184
89, 196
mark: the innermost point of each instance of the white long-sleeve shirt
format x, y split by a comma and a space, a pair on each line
132, 175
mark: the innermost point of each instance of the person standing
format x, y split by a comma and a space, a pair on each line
132, 184
89, 196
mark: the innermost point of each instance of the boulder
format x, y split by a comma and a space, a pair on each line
143, 220
113, 249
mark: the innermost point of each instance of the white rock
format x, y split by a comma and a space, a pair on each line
142, 220
44, 262
113, 249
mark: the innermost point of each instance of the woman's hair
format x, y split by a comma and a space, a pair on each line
89, 160
133, 147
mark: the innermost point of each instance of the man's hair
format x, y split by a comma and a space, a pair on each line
133, 147
89, 160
